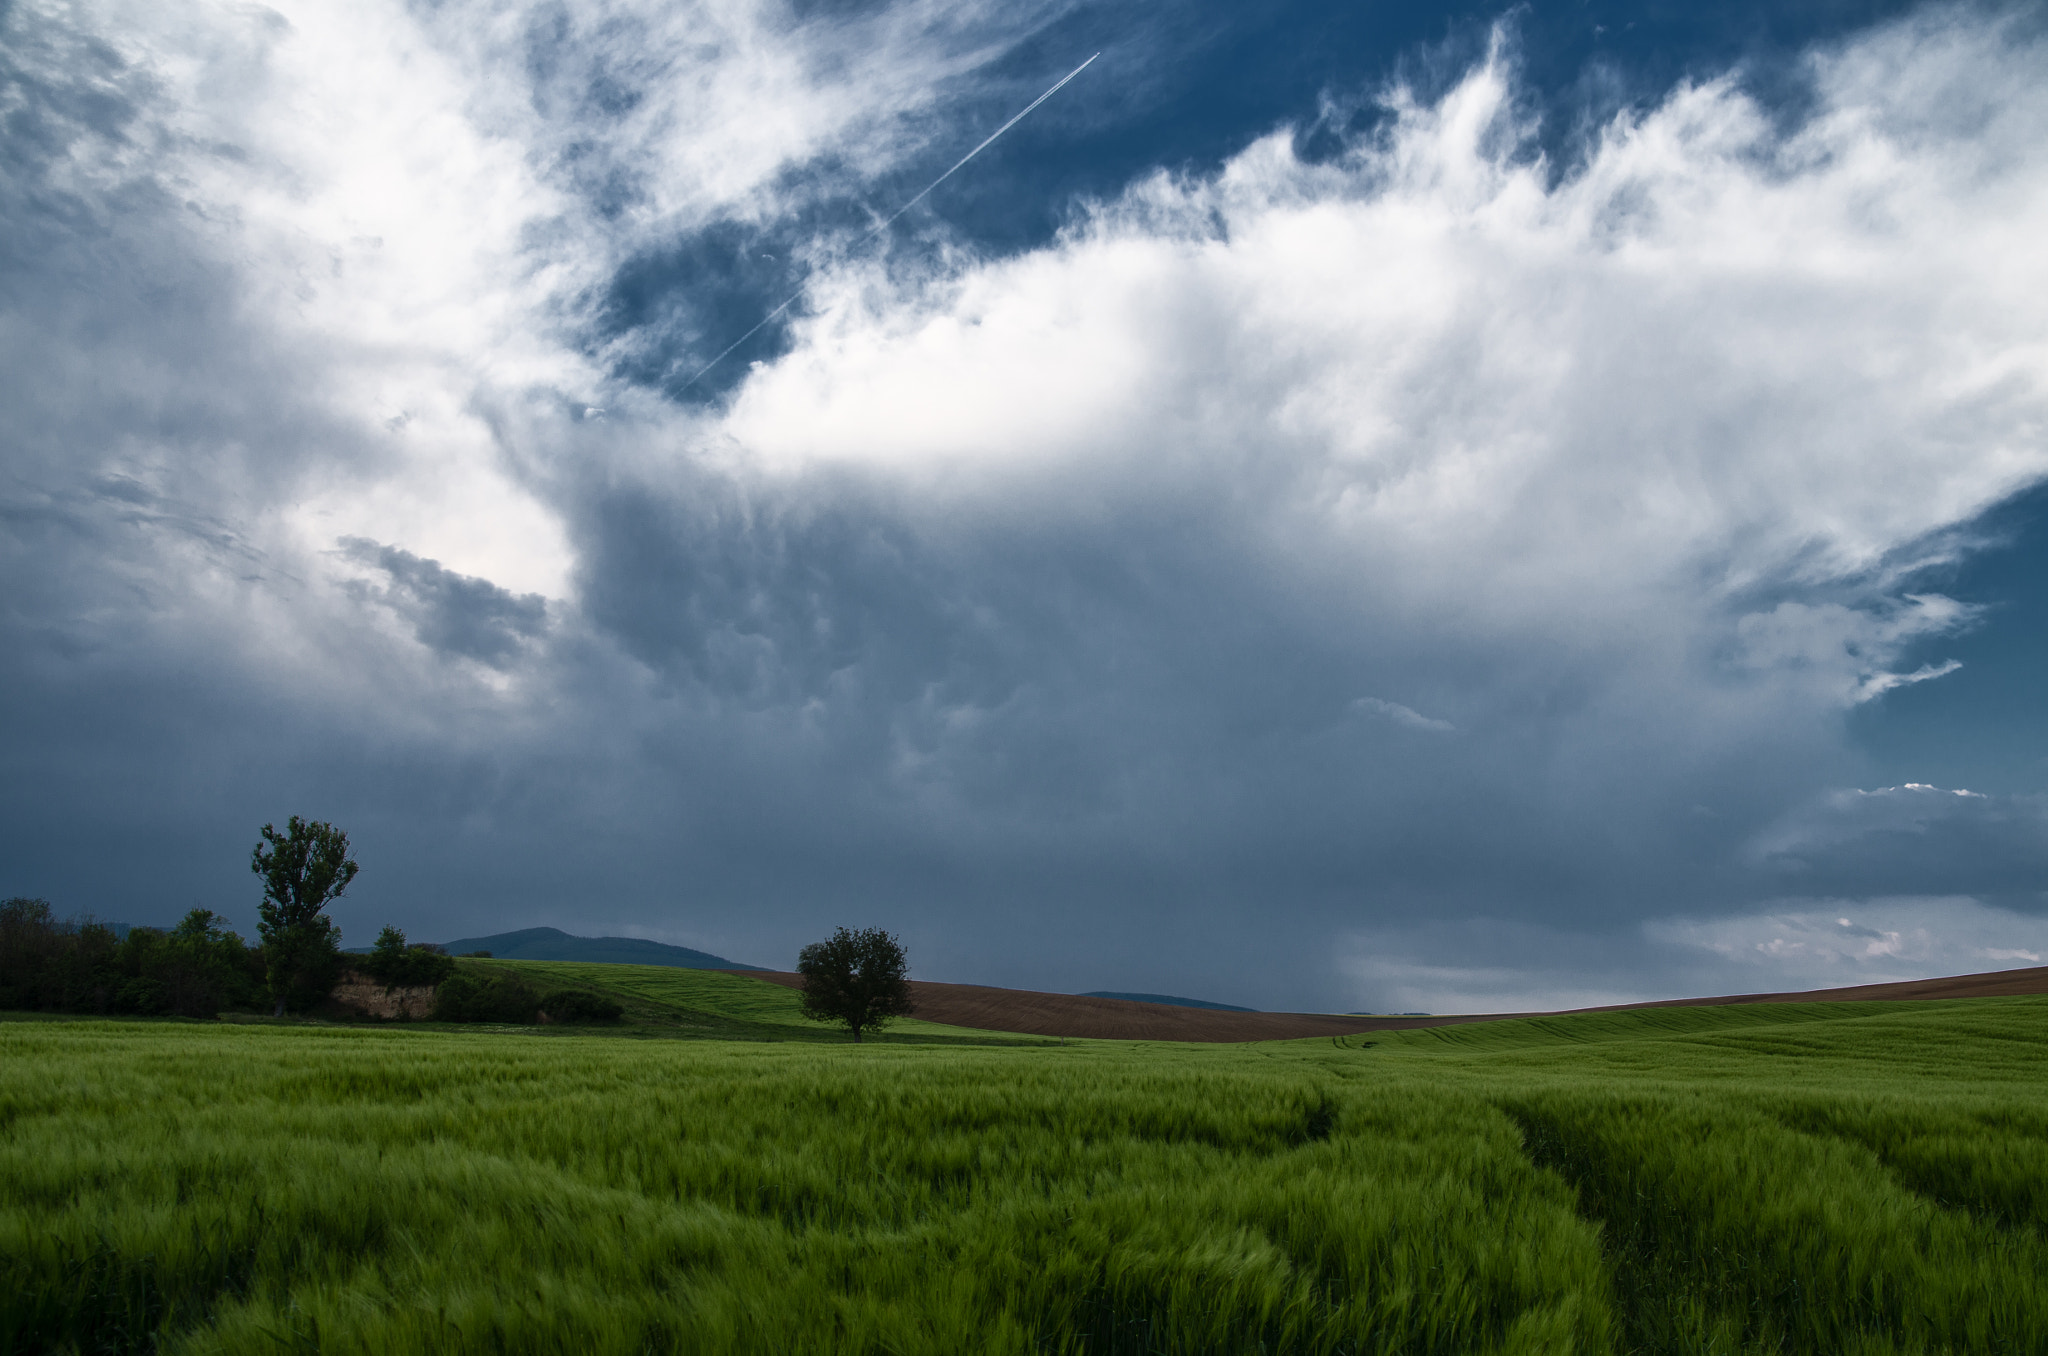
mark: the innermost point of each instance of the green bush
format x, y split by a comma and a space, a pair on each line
578, 1005
397, 965
475, 993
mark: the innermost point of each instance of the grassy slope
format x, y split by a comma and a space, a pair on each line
665, 1000
1832, 1178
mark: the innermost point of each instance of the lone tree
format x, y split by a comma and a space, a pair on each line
855, 978
304, 869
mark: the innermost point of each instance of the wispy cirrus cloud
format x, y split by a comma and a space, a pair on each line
1399, 714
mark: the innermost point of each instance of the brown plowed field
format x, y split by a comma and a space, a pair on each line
1059, 1014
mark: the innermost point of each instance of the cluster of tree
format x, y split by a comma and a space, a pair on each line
306, 868
200, 968
195, 969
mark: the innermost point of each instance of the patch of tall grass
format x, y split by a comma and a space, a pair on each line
1991, 1161
1692, 1184
1732, 1231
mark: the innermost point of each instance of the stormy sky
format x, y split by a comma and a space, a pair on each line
1347, 506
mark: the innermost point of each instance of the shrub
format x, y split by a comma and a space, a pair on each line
477, 994
577, 1005
397, 965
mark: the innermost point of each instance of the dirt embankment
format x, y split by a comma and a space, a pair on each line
1059, 1014
359, 994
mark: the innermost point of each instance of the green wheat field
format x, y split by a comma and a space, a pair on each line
716, 1176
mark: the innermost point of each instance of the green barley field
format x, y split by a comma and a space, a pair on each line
717, 1177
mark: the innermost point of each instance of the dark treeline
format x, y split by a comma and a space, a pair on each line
200, 969
197, 969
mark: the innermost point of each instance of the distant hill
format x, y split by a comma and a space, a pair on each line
553, 944
1169, 1000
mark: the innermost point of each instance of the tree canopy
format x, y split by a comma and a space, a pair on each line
859, 979
398, 964
304, 869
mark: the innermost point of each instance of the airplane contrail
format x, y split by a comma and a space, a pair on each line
875, 231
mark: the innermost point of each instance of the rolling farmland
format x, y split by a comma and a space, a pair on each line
1828, 1177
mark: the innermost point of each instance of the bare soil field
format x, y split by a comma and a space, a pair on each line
1059, 1014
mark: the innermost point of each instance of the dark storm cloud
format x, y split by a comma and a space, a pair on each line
449, 612
1915, 839
1336, 581
1141, 690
